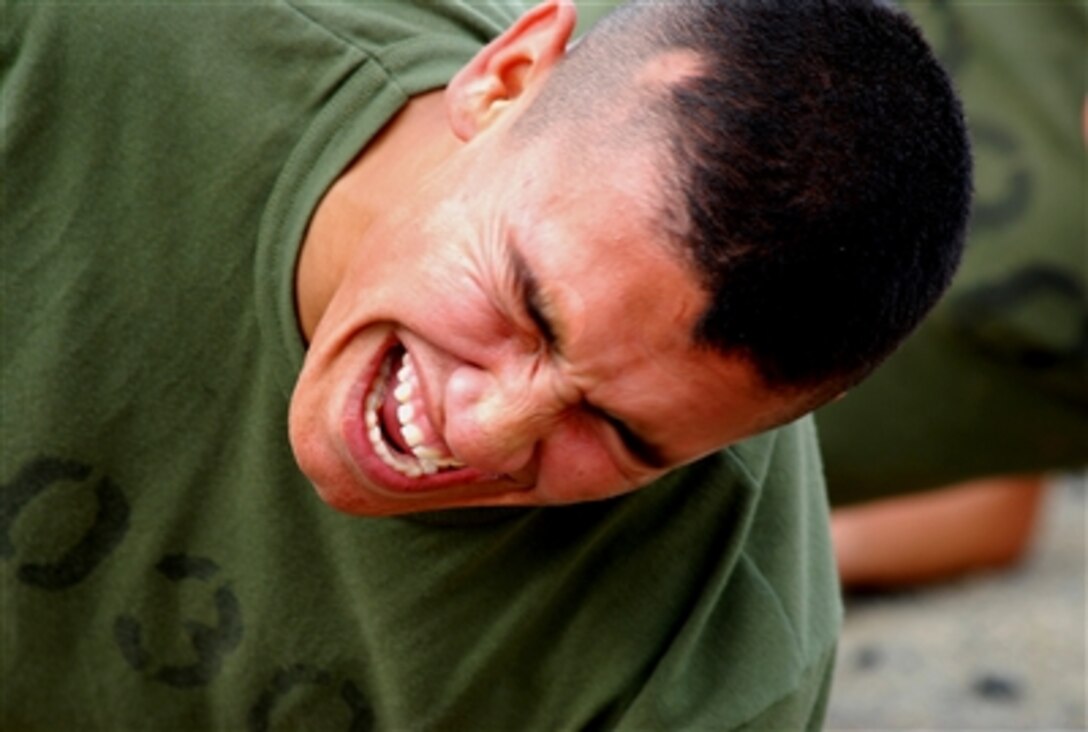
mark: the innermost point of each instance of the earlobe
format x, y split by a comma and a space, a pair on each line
510, 66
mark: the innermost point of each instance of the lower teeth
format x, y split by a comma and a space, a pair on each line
419, 464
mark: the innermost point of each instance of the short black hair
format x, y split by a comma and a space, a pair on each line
822, 166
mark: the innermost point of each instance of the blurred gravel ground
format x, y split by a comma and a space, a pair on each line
1001, 650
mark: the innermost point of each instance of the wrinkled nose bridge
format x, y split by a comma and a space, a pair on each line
520, 407
497, 419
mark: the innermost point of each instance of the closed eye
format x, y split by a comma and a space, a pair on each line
645, 452
528, 291
528, 287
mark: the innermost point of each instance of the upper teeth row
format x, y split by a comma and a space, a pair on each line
428, 460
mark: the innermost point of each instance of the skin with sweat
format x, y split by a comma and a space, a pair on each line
496, 323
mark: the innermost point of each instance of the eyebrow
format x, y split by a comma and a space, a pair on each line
527, 284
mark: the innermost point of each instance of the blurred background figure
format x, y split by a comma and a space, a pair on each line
937, 465
941, 466
943, 463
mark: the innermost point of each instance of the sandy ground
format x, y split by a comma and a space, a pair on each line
1002, 650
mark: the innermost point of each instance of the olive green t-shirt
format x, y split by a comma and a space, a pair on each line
163, 563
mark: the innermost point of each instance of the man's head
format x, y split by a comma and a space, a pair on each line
819, 170
701, 223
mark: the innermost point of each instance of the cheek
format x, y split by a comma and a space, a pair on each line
575, 465
467, 329
452, 310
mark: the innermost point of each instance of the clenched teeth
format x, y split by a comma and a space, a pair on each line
424, 459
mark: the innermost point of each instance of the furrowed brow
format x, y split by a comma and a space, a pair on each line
527, 284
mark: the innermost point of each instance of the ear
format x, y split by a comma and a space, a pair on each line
509, 66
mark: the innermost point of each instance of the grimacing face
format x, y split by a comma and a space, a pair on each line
514, 335
511, 325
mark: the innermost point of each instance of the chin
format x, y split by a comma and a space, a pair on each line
351, 488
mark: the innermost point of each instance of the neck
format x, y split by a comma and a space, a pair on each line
384, 174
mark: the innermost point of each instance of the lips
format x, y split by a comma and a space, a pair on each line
398, 425
391, 437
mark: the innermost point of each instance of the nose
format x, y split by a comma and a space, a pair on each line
494, 421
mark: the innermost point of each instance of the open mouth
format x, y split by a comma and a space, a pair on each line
397, 422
